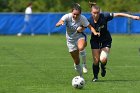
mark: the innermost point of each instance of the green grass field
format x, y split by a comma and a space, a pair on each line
42, 64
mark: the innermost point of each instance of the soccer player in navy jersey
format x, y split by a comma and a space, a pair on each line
76, 39
101, 45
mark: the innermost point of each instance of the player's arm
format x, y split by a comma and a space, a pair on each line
60, 22
93, 30
126, 15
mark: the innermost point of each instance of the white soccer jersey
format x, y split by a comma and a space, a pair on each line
28, 11
72, 25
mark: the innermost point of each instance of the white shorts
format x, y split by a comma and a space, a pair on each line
72, 43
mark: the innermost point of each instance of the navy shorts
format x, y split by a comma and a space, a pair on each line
99, 45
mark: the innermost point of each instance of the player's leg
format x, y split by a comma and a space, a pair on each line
95, 47
83, 57
23, 29
20, 33
81, 46
72, 46
75, 56
105, 49
95, 66
103, 59
31, 28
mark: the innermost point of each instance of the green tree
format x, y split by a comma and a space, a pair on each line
121, 5
65, 5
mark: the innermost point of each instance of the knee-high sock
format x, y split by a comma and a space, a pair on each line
95, 70
78, 69
83, 56
103, 65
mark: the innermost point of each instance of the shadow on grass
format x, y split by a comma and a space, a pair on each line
118, 80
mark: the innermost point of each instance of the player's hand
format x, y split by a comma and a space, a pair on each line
80, 29
57, 25
61, 22
136, 17
97, 34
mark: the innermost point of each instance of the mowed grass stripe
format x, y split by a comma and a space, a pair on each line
42, 64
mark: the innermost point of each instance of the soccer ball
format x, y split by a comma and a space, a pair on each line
78, 82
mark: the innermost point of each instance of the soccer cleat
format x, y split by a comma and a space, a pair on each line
95, 79
85, 69
103, 71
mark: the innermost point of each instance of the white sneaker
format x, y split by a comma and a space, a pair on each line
32, 34
19, 34
85, 69
95, 79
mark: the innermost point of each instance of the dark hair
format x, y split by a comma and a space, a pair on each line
29, 4
94, 5
76, 6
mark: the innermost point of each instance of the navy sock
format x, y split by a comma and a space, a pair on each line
95, 70
103, 65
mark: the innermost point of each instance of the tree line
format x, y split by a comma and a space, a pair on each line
65, 5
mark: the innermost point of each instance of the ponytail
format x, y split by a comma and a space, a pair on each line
94, 5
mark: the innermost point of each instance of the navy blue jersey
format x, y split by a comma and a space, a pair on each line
101, 26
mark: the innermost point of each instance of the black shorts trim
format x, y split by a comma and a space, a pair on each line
84, 36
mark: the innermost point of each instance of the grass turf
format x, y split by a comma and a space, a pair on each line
42, 64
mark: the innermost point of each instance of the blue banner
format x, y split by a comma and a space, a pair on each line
44, 23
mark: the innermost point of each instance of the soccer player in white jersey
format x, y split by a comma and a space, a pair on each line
27, 20
76, 39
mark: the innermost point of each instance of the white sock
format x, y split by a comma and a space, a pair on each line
83, 56
78, 69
